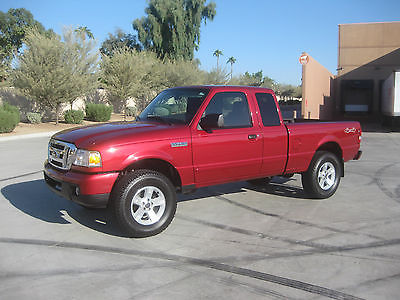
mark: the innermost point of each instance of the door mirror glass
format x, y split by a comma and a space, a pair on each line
212, 121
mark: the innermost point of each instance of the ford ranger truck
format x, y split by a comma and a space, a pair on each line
188, 138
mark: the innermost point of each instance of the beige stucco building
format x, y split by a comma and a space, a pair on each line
367, 54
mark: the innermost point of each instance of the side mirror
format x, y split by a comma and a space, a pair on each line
212, 121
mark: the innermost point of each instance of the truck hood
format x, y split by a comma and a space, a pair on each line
95, 136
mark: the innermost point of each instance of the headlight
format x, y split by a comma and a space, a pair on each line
86, 158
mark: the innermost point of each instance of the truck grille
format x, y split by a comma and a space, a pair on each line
61, 154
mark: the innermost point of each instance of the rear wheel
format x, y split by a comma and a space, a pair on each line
144, 203
322, 178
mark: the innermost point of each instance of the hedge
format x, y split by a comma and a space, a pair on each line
98, 112
130, 111
34, 118
9, 117
74, 116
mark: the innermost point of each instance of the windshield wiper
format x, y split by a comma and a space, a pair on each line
158, 118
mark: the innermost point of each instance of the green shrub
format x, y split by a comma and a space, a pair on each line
74, 116
12, 109
9, 117
130, 111
34, 118
98, 112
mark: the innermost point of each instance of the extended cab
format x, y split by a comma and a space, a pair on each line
191, 137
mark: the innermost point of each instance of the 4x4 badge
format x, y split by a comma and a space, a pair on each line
350, 130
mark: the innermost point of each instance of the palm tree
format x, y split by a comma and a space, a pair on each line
217, 53
84, 31
231, 60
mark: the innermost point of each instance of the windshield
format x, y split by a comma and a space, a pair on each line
174, 106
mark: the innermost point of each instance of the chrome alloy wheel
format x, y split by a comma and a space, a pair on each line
148, 205
326, 175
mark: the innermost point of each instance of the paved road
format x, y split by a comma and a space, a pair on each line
232, 241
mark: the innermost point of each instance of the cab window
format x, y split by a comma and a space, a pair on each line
234, 108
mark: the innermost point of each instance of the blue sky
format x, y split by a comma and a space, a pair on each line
261, 35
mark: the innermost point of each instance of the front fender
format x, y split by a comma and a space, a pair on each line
138, 156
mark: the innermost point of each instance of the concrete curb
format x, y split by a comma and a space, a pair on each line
27, 136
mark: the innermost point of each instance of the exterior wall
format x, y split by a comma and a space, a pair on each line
361, 44
367, 52
317, 87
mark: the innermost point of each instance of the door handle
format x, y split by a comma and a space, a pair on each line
253, 136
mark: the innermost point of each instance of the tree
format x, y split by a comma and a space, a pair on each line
217, 53
13, 27
231, 60
298, 92
119, 40
172, 27
52, 72
286, 91
254, 79
181, 73
130, 74
83, 61
4, 65
269, 83
84, 32
217, 76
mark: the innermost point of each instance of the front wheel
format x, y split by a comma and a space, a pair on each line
322, 178
144, 203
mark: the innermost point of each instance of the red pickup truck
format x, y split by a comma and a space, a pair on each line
191, 137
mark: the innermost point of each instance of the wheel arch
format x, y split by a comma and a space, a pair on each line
154, 164
334, 148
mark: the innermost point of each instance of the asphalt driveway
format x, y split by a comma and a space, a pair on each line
233, 241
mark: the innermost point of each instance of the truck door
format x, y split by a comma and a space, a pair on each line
232, 151
274, 134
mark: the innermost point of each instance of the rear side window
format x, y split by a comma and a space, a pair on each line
268, 110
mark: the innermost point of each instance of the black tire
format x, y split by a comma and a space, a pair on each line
322, 178
157, 199
260, 181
